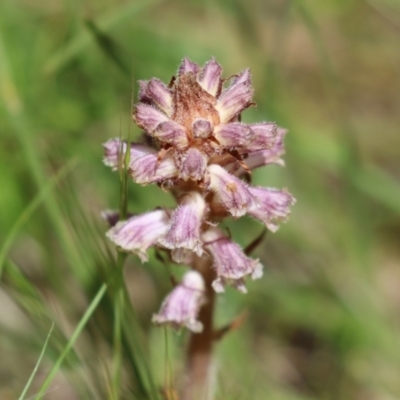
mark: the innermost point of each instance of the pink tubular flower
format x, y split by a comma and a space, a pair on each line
149, 169
138, 233
271, 155
182, 305
273, 206
231, 191
229, 261
185, 226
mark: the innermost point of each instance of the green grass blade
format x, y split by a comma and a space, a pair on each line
92, 307
28, 384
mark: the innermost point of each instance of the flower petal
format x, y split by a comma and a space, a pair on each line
193, 165
270, 156
181, 307
235, 98
149, 169
148, 117
172, 133
202, 128
231, 191
188, 66
265, 135
185, 225
115, 150
210, 77
157, 93
138, 233
233, 135
273, 206
229, 261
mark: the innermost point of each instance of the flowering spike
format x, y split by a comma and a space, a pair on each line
198, 149
231, 191
185, 225
230, 263
210, 77
182, 305
138, 233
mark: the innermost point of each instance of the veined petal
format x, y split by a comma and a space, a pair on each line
157, 93
202, 128
138, 233
265, 135
270, 156
193, 165
273, 206
210, 77
171, 132
149, 169
115, 150
185, 225
188, 66
231, 191
148, 117
233, 135
235, 98
229, 261
181, 307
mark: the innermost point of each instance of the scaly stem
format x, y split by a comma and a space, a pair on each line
199, 353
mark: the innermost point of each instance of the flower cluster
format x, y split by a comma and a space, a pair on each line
200, 151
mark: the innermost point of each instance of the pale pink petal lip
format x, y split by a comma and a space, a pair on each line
140, 232
273, 206
181, 307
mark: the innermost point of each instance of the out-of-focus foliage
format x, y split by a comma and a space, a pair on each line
323, 323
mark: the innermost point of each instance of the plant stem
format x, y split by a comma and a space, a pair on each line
199, 353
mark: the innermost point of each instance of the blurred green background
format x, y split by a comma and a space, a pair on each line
323, 322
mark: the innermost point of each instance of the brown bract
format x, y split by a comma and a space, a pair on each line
191, 102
